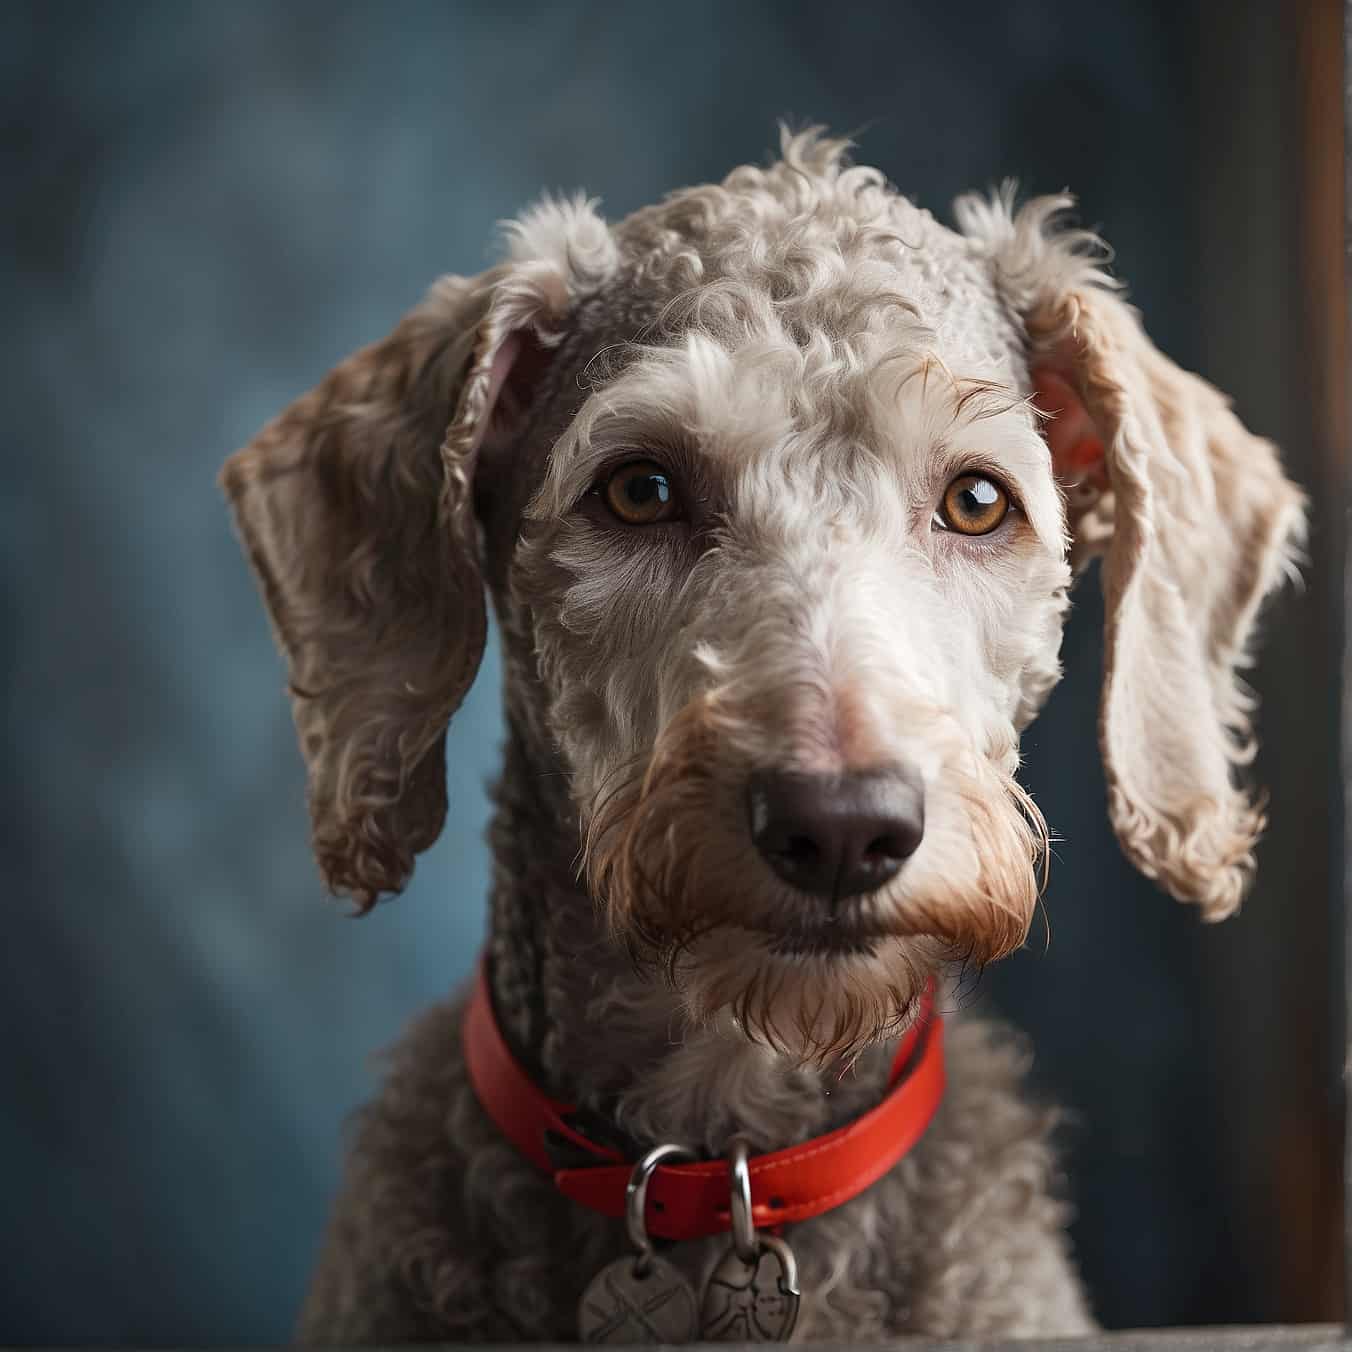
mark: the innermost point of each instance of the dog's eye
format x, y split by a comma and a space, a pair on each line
641, 493
972, 505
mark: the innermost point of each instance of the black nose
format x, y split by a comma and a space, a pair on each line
837, 835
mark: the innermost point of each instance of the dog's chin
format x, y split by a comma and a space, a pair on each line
814, 995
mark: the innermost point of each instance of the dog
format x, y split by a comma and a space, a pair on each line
778, 488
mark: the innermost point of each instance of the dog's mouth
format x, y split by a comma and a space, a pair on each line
828, 937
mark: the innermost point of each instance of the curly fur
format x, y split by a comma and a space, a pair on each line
444, 1233
812, 359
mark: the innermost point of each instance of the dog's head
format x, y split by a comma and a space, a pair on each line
779, 486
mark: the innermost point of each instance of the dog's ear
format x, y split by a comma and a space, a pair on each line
1195, 523
356, 509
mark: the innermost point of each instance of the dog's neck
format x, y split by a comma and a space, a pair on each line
615, 1041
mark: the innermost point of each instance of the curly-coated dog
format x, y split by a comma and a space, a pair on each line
778, 488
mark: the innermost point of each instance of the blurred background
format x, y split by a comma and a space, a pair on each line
206, 206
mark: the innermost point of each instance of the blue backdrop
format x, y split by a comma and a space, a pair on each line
209, 206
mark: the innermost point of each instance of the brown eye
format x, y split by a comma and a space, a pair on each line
972, 505
641, 493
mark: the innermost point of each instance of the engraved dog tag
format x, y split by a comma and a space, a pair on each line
752, 1302
637, 1300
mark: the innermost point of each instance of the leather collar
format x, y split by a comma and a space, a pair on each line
690, 1201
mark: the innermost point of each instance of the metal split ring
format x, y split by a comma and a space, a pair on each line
744, 1238
636, 1201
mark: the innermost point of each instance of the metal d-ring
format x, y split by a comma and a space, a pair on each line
743, 1227
636, 1201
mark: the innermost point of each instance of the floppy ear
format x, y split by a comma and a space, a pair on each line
1196, 523
356, 509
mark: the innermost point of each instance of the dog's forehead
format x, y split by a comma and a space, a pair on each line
824, 247
783, 298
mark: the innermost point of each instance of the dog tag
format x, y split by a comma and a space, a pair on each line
752, 1302
637, 1300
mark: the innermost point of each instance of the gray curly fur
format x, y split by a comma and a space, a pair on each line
821, 357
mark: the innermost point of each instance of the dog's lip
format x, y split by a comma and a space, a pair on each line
828, 938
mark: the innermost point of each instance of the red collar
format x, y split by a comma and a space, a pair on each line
690, 1201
